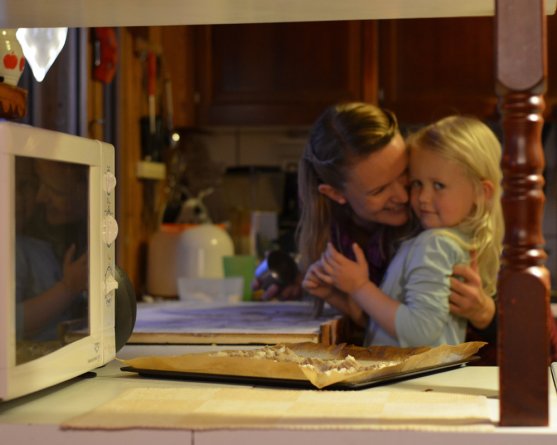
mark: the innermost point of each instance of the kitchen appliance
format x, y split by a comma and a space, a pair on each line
32, 231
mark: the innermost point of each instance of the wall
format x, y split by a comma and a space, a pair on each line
244, 165
262, 146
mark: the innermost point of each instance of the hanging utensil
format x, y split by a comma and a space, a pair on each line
151, 91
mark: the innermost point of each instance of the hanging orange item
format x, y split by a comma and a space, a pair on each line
105, 50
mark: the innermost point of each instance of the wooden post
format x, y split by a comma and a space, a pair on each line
524, 281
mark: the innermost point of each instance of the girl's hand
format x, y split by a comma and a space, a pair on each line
345, 274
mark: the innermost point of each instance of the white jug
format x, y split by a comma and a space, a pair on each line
200, 252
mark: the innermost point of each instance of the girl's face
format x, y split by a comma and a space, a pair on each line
375, 187
441, 194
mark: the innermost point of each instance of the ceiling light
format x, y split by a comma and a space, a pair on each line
40, 47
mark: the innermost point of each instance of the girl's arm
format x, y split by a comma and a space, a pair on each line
421, 315
352, 278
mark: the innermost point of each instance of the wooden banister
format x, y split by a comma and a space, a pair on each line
524, 281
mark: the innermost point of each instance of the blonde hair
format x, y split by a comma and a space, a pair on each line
342, 136
471, 144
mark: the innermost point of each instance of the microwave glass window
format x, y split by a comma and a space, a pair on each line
51, 248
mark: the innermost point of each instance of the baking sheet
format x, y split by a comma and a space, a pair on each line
293, 383
316, 365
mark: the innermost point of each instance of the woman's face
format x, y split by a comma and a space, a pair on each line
376, 187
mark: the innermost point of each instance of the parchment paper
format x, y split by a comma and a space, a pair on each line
321, 365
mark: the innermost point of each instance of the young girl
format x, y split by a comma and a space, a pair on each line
454, 178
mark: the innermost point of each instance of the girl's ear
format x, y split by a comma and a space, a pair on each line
331, 193
488, 189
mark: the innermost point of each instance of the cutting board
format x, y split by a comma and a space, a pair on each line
239, 323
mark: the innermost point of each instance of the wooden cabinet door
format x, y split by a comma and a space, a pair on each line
281, 73
177, 55
430, 68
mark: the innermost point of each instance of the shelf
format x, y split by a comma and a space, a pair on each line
92, 13
151, 170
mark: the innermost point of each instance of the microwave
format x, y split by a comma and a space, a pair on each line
57, 264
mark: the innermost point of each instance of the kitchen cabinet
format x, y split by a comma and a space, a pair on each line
287, 73
429, 68
281, 73
177, 44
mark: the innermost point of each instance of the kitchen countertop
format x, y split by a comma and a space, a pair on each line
37, 417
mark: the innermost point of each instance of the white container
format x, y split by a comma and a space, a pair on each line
200, 252
211, 290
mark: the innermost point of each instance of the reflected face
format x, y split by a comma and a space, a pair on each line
376, 186
62, 191
441, 193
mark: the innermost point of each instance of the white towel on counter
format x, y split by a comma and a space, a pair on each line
214, 408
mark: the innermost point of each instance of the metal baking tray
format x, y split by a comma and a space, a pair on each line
292, 383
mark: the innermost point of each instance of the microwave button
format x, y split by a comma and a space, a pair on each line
110, 229
109, 182
110, 284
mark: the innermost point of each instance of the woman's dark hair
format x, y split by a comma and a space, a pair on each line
343, 135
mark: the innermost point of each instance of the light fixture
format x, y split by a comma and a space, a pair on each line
40, 47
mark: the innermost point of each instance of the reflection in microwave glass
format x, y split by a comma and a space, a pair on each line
51, 249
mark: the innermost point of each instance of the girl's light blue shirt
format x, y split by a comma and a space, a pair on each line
419, 277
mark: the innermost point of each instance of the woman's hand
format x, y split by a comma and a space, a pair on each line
345, 274
468, 299
275, 291
317, 283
